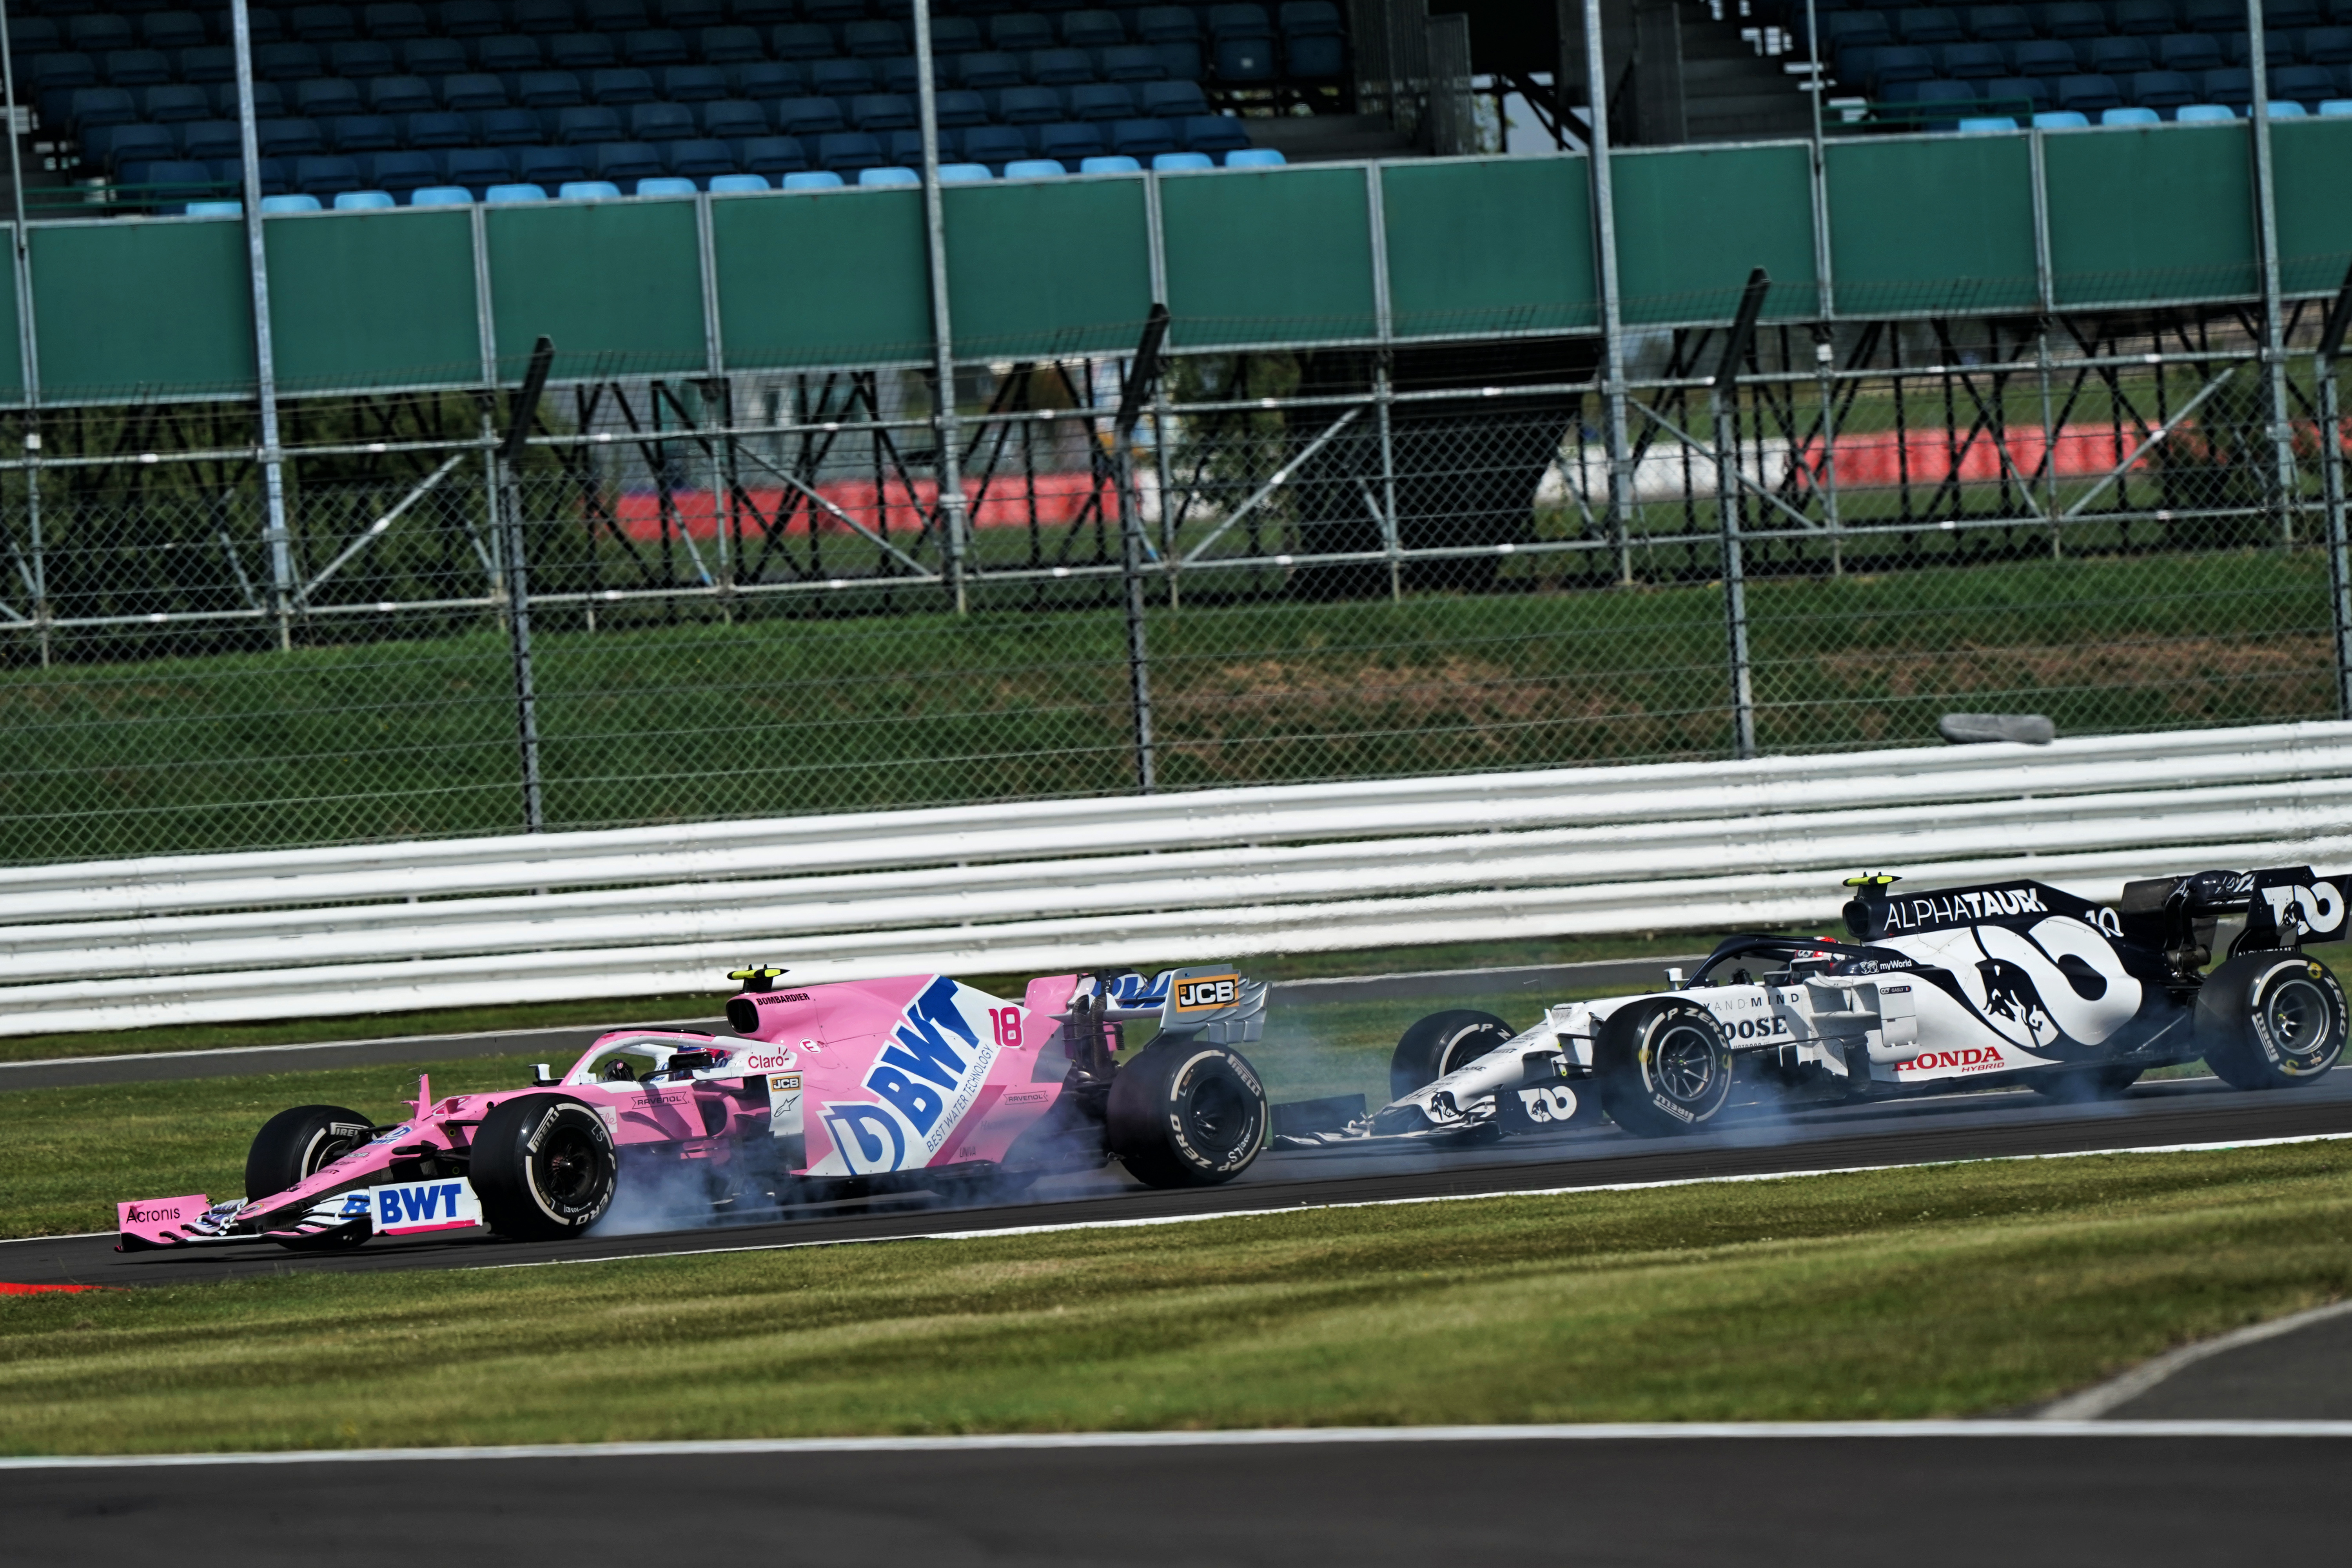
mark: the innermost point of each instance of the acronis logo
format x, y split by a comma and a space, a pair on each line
926, 1076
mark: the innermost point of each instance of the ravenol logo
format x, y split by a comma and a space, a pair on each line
423, 1205
1207, 991
927, 1076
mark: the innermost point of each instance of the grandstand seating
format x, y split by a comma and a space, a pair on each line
1943, 65
417, 99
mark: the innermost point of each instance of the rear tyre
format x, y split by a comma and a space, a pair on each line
2270, 1020
1665, 1068
1438, 1045
295, 1146
2084, 1086
1184, 1113
544, 1167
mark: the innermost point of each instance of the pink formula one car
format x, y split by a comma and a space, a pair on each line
828, 1091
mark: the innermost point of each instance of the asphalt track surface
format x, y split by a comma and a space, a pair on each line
1828, 1501
1896, 1132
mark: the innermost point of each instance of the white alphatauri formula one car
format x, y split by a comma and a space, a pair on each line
1999, 985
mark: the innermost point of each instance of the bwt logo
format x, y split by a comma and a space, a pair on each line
1219, 990
425, 1205
867, 1137
920, 1071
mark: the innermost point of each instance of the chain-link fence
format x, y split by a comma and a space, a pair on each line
745, 596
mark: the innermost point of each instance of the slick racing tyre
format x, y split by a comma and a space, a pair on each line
2270, 1020
2083, 1085
1665, 1067
1438, 1045
294, 1145
1184, 1113
544, 1167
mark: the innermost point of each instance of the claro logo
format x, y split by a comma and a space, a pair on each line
769, 1061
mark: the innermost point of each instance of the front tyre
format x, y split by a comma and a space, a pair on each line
1438, 1045
295, 1146
544, 1167
1185, 1113
2270, 1020
1665, 1068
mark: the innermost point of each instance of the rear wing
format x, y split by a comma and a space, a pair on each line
1214, 1001
2284, 906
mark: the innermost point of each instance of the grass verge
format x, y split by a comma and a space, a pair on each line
1933, 1291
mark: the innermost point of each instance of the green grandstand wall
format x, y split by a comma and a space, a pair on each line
1411, 251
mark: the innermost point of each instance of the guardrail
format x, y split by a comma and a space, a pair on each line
1039, 886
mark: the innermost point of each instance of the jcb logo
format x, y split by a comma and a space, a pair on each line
1219, 990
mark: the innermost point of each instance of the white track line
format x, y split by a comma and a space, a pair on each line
1399, 1203
1286, 1436
2093, 1403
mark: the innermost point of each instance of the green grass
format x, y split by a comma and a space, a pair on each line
707, 1006
1927, 1292
854, 708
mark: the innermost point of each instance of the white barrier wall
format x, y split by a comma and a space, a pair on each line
1057, 885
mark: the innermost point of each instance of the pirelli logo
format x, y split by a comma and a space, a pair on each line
1199, 994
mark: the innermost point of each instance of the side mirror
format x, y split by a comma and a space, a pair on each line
542, 1076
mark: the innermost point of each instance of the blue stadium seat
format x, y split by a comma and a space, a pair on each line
1033, 169
400, 95
2087, 95
1985, 124
887, 174
1101, 100
904, 149
623, 162
846, 151
327, 176
956, 35
995, 145
1998, 24
166, 30
614, 15
1029, 105
2073, 19
439, 128
96, 106
760, 13
1255, 158
477, 168
503, 52
620, 87
404, 172
1972, 62
212, 65
1061, 68
174, 102
1928, 24
2043, 57
1213, 133
879, 111
326, 97
287, 62
662, 122
2278, 49
395, 19
873, 40
698, 158
135, 68
2189, 52
1093, 29
2327, 46
767, 79
1110, 164
1842, 30
801, 41
514, 195
1313, 41
363, 132
363, 201
431, 58
2287, 109
268, 102
2117, 56
813, 180
471, 18
655, 46
1131, 63
732, 118
2306, 85
1019, 32
731, 46
988, 72
694, 84
508, 127
2205, 114
676, 185
549, 166
588, 191
1171, 99
737, 184
772, 155
212, 139
1145, 138
2336, 107
978, 173
2233, 86
806, 116
292, 203
2213, 16
1242, 57
589, 123
216, 209
96, 32
2287, 15
1941, 103
30, 36
956, 108
549, 89
1070, 141
2147, 18
2162, 91
582, 51
359, 58
840, 79
131, 143
2061, 119
2130, 115
440, 196
289, 138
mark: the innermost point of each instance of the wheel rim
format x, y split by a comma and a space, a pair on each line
2300, 1020
1683, 1064
1465, 1048
569, 1165
1216, 1116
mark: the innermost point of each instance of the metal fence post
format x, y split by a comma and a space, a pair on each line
265, 366
2045, 301
2266, 237
1383, 392
1723, 394
1142, 375
935, 240
1612, 328
2331, 474
28, 350
508, 458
